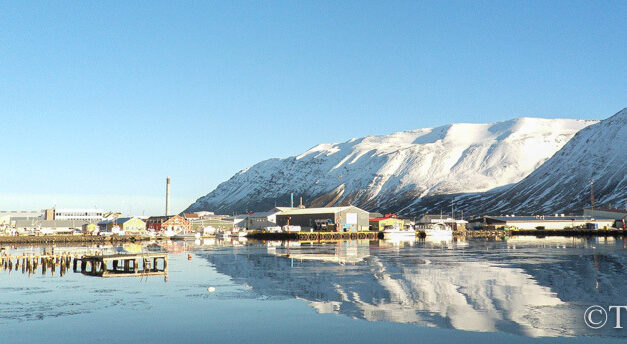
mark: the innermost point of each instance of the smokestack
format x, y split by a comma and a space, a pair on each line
167, 196
292, 200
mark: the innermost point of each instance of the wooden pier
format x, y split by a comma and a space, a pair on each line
115, 265
123, 265
30, 263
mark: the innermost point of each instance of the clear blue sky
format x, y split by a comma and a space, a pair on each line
100, 101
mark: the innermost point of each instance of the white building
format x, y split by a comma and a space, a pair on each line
90, 215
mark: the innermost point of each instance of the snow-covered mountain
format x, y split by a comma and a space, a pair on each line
562, 184
390, 172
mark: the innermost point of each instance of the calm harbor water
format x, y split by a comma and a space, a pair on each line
520, 290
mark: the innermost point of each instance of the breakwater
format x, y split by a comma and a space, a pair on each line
315, 236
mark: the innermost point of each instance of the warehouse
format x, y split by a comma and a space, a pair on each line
345, 219
540, 222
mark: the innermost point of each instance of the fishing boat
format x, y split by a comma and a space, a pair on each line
395, 232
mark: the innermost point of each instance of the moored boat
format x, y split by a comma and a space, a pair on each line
439, 230
395, 232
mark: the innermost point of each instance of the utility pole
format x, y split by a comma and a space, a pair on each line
592, 194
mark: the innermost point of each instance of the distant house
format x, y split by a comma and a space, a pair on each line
379, 223
540, 222
348, 218
164, 223
126, 224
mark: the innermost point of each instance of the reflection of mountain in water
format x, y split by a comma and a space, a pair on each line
467, 289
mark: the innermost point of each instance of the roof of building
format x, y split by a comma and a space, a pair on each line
611, 210
282, 208
376, 219
263, 214
191, 215
118, 221
326, 210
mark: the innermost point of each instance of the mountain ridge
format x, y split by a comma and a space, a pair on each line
389, 172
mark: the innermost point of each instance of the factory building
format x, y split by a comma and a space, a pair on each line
8, 218
89, 215
344, 219
49, 226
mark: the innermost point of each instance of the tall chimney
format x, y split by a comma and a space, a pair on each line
167, 196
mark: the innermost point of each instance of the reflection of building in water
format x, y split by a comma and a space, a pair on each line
476, 293
342, 253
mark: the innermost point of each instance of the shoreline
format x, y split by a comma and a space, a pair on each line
313, 236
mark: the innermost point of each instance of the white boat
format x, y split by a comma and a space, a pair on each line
395, 232
439, 230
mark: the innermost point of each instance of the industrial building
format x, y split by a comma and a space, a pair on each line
8, 218
540, 222
89, 215
347, 219
261, 220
